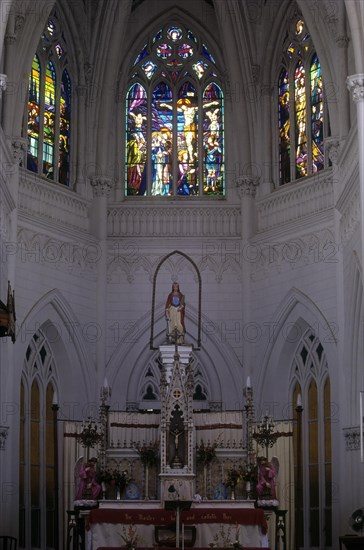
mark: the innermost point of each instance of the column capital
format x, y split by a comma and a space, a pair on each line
355, 84
247, 185
101, 186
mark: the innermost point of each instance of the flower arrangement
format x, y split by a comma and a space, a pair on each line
130, 536
250, 472
205, 452
114, 477
233, 476
148, 452
226, 538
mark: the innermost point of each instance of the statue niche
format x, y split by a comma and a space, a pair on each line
177, 440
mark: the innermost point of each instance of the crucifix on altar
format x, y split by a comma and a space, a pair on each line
177, 436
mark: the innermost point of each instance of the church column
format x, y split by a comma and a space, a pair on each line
10, 42
101, 186
266, 169
355, 84
81, 137
342, 64
247, 188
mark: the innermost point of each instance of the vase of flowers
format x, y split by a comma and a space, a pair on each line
148, 453
233, 476
205, 454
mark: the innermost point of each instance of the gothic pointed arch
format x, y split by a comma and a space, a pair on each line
175, 257
65, 333
174, 117
49, 107
217, 369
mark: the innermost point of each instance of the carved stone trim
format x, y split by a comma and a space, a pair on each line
332, 147
355, 84
141, 220
295, 202
4, 430
42, 200
352, 438
3, 79
342, 41
19, 150
101, 186
247, 185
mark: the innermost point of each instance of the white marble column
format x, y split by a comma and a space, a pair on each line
101, 186
355, 84
247, 188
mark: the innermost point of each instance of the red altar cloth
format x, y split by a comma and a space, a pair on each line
169, 548
242, 516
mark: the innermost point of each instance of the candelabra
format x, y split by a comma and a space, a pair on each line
89, 436
264, 433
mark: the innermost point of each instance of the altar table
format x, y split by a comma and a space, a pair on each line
248, 526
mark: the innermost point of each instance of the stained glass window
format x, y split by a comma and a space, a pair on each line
302, 113
174, 118
48, 121
317, 115
64, 129
284, 127
33, 116
48, 117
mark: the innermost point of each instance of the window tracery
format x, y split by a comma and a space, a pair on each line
48, 109
302, 112
311, 381
174, 118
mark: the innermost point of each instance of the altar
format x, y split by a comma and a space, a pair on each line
212, 524
175, 477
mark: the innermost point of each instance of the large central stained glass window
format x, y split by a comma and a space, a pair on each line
174, 119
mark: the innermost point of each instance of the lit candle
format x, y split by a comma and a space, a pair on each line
106, 383
248, 382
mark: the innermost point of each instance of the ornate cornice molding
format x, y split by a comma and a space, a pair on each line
176, 220
355, 84
50, 203
101, 186
296, 201
247, 185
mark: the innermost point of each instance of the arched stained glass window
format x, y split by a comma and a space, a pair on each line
174, 118
64, 129
284, 127
48, 121
33, 115
302, 113
48, 118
